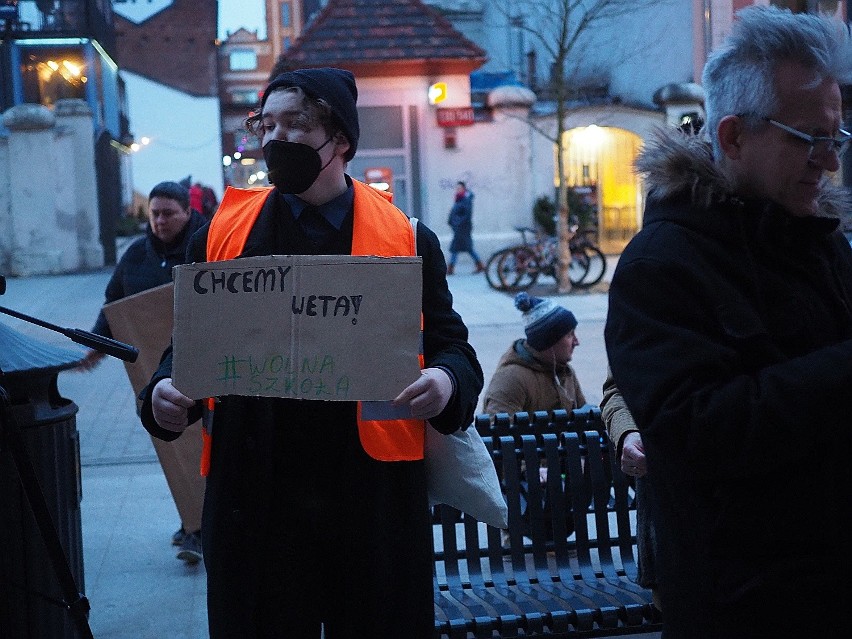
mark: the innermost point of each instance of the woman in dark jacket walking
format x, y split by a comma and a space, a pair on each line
461, 221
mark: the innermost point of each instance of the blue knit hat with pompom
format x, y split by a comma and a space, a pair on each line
545, 323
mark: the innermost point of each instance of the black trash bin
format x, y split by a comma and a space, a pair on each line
30, 593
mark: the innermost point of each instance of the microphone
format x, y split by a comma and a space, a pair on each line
105, 345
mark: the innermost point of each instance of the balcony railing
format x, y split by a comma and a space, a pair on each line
41, 19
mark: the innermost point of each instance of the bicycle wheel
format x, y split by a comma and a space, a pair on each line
518, 268
491, 275
579, 267
597, 266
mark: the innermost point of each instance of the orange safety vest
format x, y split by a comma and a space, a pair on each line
378, 229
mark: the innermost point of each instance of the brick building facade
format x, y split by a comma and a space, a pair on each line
175, 47
167, 50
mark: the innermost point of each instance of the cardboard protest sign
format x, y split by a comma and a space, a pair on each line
307, 327
145, 321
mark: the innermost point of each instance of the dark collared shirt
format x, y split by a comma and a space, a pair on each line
334, 211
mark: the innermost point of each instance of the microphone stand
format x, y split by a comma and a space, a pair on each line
72, 599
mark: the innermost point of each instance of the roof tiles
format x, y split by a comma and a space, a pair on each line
350, 32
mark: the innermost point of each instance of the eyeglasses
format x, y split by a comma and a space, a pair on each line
820, 145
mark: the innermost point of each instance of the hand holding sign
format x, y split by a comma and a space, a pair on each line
170, 406
429, 395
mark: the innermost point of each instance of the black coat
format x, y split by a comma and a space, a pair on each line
730, 337
461, 221
295, 509
145, 264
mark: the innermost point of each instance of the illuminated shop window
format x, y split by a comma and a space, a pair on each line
52, 74
598, 163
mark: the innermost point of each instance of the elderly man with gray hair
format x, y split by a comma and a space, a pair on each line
730, 337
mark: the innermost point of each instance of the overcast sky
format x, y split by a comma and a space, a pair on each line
234, 14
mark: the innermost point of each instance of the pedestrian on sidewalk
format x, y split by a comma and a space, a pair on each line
146, 264
729, 335
461, 221
316, 513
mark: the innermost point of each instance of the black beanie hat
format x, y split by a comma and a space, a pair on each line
336, 87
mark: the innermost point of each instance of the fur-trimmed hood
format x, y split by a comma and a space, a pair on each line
675, 163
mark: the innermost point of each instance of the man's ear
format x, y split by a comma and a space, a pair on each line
730, 131
341, 143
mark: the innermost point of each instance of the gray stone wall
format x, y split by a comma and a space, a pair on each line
48, 194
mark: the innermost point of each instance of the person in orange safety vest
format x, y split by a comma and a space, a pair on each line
316, 514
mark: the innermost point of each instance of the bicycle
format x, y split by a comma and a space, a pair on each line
501, 263
519, 267
583, 247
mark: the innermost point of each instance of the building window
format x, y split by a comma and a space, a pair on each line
244, 96
286, 15
286, 43
381, 127
243, 60
598, 163
51, 74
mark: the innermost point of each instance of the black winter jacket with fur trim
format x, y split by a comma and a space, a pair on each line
730, 337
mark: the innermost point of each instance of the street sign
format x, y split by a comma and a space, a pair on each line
454, 116
437, 92
137, 11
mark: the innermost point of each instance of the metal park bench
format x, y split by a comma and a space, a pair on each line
560, 571
539, 422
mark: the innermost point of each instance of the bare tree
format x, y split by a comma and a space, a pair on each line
560, 27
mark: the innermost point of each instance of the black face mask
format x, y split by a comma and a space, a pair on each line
292, 166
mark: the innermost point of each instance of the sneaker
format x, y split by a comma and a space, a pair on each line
178, 537
190, 549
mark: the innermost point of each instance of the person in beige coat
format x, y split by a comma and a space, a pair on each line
630, 451
534, 373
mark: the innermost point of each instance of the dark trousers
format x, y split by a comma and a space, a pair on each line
307, 582
349, 548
